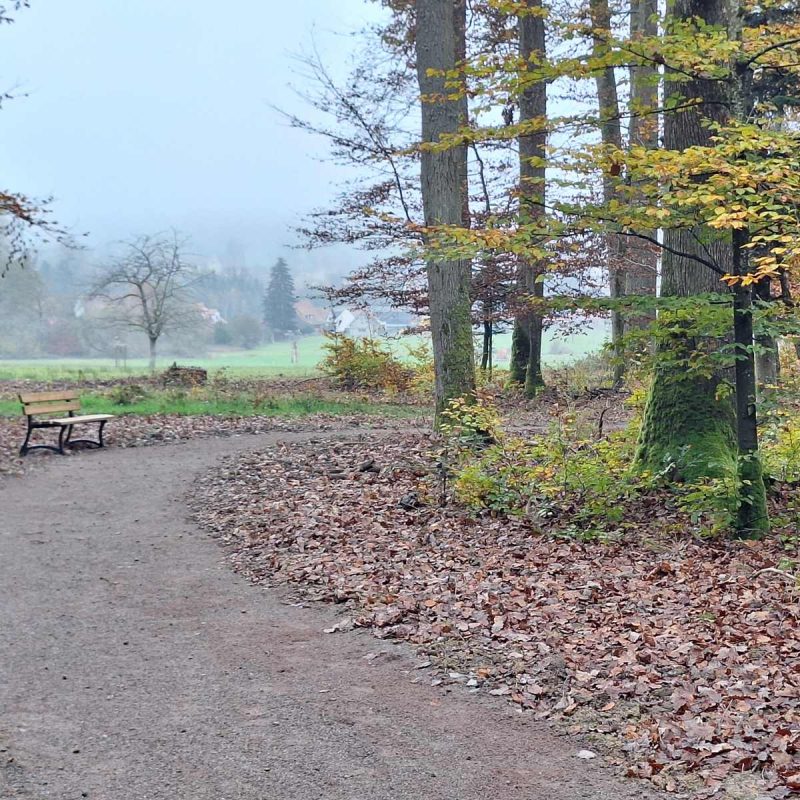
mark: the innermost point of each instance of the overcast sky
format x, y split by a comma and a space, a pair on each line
156, 113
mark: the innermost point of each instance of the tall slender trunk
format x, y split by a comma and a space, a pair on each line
767, 356
752, 517
641, 271
440, 44
532, 174
488, 329
486, 352
611, 136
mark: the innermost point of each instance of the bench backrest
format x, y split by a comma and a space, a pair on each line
38, 403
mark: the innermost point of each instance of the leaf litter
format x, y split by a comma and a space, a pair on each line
680, 658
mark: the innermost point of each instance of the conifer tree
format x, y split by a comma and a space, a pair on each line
279, 299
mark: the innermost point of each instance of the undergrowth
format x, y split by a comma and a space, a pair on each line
569, 481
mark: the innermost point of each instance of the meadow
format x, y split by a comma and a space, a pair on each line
275, 360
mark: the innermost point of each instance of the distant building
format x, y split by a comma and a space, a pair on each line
396, 321
95, 306
311, 315
359, 323
209, 315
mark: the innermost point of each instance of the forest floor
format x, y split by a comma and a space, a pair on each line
676, 659
137, 665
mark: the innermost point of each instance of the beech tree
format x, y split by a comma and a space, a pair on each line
440, 47
642, 262
724, 190
688, 420
526, 359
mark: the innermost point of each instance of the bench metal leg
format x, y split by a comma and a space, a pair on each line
24, 449
69, 441
64, 439
61, 437
28, 448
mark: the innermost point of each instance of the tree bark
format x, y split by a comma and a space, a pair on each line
752, 519
611, 136
486, 352
685, 421
767, 355
153, 343
520, 352
532, 174
440, 44
688, 422
641, 272
488, 329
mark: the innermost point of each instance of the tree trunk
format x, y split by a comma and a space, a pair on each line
641, 271
532, 153
520, 352
153, 354
685, 422
611, 136
440, 44
486, 351
752, 520
688, 422
767, 356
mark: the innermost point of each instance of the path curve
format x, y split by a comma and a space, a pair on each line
134, 665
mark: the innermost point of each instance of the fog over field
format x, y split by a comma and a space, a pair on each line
149, 115
156, 122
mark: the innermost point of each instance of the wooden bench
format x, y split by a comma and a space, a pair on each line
36, 405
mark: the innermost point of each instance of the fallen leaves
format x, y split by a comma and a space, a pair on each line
142, 431
684, 655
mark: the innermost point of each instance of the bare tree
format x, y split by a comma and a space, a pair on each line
150, 286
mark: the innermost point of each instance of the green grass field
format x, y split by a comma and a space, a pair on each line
242, 405
272, 360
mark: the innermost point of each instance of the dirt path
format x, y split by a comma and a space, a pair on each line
135, 665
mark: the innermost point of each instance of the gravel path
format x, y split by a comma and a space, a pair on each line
135, 666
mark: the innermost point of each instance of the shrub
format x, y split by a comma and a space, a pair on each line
781, 451
246, 331
363, 364
126, 395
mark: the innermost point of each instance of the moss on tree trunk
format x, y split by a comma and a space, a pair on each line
688, 422
753, 518
688, 426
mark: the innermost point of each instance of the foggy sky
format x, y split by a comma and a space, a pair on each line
156, 113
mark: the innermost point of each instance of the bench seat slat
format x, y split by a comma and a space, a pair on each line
82, 418
44, 397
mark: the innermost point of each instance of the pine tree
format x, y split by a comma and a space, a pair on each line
279, 299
